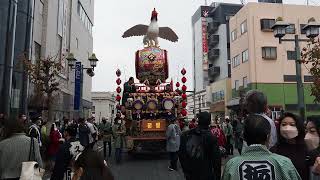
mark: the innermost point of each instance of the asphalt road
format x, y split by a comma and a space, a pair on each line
144, 167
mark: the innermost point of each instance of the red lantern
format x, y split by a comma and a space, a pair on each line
184, 104
118, 81
118, 89
184, 88
177, 84
183, 71
118, 98
184, 112
118, 73
184, 96
184, 79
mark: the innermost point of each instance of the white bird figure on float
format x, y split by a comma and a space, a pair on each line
152, 32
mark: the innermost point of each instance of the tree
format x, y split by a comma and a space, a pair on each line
311, 54
43, 75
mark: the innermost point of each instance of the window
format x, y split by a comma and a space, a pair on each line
291, 55
236, 61
301, 29
269, 52
84, 17
218, 96
236, 85
289, 78
291, 29
37, 51
59, 47
77, 43
275, 112
266, 24
243, 27
234, 35
245, 82
245, 56
308, 78
60, 17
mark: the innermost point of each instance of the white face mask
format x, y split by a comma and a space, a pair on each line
288, 132
119, 121
311, 141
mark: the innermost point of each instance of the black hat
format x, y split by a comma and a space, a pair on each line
204, 118
72, 130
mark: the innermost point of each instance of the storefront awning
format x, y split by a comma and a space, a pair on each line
233, 102
218, 107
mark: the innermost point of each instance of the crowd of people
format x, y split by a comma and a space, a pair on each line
286, 148
66, 150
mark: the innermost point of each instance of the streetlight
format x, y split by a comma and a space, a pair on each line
312, 31
76, 65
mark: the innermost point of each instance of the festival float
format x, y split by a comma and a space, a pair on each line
148, 108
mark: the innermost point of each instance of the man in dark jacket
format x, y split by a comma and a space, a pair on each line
34, 130
128, 87
67, 151
84, 132
199, 152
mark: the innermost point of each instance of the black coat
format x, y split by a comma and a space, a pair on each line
209, 168
84, 133
63, 160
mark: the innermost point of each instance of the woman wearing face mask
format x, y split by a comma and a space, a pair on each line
291, 143
312, 142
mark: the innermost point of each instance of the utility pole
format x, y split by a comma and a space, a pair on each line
300, 91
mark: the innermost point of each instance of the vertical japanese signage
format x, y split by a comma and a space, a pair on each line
77, 86
205, 47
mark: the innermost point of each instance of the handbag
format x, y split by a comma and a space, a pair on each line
30, 169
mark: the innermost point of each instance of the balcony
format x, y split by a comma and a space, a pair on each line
214, 71
213, 27
213, 40
213, 54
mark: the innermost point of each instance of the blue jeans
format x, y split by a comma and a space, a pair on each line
118, 154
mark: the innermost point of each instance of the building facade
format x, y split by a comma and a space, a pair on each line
260, 62
219, 72
41, 29
62, 27
197, 103
104, 105
200, 59
16, 20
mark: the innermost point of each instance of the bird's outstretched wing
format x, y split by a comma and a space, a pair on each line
168, 34
137, 30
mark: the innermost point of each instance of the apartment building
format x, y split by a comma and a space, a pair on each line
258, 61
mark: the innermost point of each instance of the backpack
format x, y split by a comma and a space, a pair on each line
84, 132
195, 146
75, 150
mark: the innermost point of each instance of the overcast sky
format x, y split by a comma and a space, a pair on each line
113, 17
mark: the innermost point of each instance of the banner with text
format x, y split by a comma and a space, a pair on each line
77, 86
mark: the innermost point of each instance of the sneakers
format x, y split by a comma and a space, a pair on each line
170, 169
